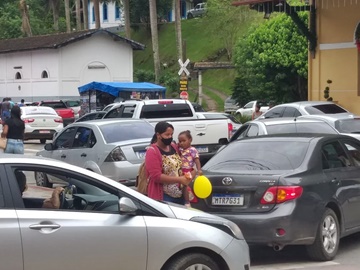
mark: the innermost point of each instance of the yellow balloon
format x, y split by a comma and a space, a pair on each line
202, 187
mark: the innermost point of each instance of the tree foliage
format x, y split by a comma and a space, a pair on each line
272, 62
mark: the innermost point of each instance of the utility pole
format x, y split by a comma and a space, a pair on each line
178, 30
154, 38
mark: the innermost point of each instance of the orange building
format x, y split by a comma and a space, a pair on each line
333, 54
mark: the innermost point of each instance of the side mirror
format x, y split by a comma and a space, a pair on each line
49, 147
127, 207
223, 141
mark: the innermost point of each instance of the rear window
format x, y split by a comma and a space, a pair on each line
38, 110
324, 109
117, 132
258, 155
317, 127
166, 111
54, 105
73, 103
348, 126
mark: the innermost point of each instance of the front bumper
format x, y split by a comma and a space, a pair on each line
237, 255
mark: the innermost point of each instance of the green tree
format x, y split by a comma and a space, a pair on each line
272, 61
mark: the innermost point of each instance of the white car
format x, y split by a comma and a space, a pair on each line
40, 122
249, 108
219, 115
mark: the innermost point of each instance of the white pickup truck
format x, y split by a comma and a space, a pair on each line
208, 134
249, 108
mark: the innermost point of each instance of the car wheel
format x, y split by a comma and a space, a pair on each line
42, 141
192, 261
327, 238
190, 16
42, 180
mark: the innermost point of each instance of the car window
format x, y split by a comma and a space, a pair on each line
65, 139
128, 112
73, 103
38, 110
240, 133
99, 115
126, 131
115, 113
253, 131
354, 152
290, 112
275, 112
325, 109
334, 156
170, 110
84, 138
249, 105
81, 193
107, 108
251, 154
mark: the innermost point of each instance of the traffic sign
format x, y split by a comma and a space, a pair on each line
184, 95
183, 67
183, 84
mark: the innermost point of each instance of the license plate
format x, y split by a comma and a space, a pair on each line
227, 199
202, 149
44, 131
141, 154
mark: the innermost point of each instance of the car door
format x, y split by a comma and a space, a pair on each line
82, 150
11, 256
344, 180
91, 235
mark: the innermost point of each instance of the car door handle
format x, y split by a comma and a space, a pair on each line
200, 134
83, 155
44, 226
63, 156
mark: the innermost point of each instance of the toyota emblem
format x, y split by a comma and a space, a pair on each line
227, 181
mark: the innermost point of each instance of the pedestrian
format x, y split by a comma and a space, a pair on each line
13, 131
22, 103
257, 112
271, 104
5, 110
163, 166
189, 158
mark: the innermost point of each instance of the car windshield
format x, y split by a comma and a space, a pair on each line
258, 155
116, 132
314, 127
348, 126
325, 109
73, 103
38, 110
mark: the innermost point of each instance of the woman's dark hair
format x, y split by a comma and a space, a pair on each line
160, 128
187, 133
16, 112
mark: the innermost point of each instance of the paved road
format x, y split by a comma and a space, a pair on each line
262, 258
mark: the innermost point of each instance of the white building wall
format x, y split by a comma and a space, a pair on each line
111, 21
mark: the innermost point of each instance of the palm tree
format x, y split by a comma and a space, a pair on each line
126, 6
25, 26
54, 5
154, 38
67, 15
178, 30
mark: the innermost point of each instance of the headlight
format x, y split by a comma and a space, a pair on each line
225, 225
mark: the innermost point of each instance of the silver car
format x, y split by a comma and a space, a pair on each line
299, 108
102, 224
113, 148
235, 124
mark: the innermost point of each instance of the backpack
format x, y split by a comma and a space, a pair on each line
141, 180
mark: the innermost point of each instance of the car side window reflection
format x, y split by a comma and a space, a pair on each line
65, 139
334, 156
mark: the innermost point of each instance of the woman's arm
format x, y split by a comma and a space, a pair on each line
5, 131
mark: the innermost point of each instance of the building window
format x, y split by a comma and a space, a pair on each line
117, 11
18, 76
105, 12
44, 75
93, 14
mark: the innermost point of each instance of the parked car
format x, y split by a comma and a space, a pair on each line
60, 107
198, 11
40, 122
103, 223
91, 116
218, 115
230, 105
344, 124
298, 189
296, 109
249, 108
113, 148
75, 105
282, 126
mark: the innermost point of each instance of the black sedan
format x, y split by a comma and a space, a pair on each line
300, 189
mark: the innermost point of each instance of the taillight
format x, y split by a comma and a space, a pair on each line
165, 102
280, 194
73, 112
58, 120
115, 155
230, 130
30, 120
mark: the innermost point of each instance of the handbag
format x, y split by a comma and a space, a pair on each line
3, 142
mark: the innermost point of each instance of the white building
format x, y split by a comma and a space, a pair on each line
111, 15
53, 66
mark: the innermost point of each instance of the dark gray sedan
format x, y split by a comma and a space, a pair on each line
300, 189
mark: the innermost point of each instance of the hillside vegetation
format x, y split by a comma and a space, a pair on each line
201, 45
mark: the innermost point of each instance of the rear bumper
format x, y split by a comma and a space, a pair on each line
37, 135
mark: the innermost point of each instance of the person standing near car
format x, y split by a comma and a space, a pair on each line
5, 110
163, 167
13, 131
257, 112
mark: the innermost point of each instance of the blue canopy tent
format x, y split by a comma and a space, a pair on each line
96, 95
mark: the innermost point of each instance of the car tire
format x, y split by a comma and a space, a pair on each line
327, 238
42, 180
190, 16
192, 261
42, 141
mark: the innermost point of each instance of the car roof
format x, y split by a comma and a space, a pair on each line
287, 120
